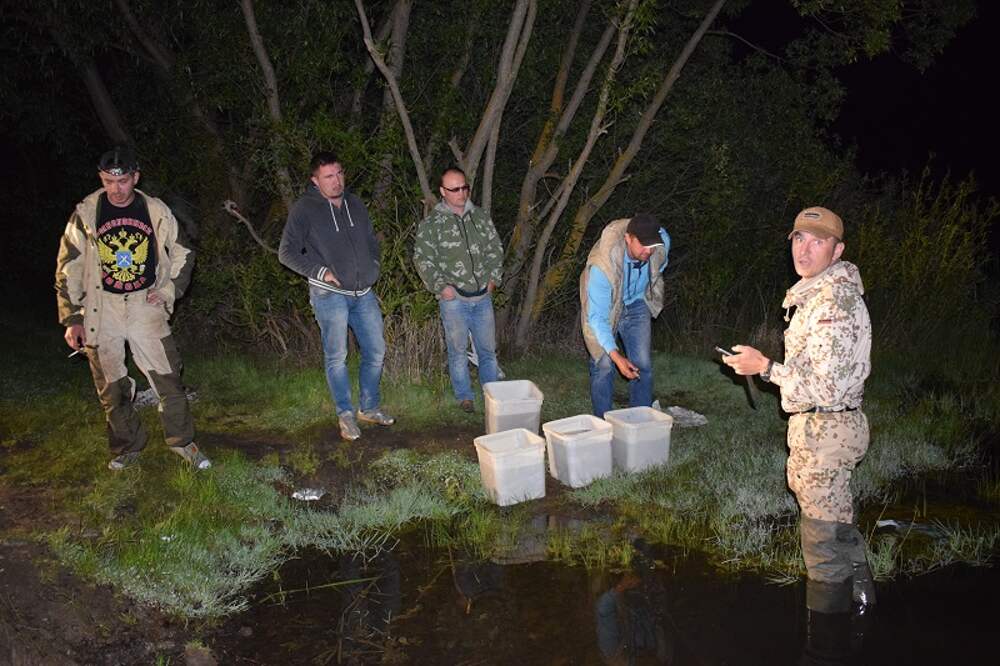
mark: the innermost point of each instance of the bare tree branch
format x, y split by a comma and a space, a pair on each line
233, 209
270, 91
454, 80
518, 34
105, 107
557, 273
549, 144
163, 59
162, 56
597, 128
733, 35
397, 52
380, 36
404, 116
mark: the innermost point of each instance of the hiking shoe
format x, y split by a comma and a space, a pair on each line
467, 406
119, 463
193, 455
376, 416
349, 429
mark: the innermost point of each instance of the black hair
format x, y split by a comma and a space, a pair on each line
322, 158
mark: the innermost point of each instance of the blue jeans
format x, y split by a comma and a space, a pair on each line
460, 317
635, 332
335, 313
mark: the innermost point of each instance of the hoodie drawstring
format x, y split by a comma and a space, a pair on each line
334, 216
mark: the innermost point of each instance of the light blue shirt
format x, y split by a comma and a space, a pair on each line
635, 279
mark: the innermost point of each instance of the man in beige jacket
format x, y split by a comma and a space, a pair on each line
121, 266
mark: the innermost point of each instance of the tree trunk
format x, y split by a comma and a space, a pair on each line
105, 107
271, 92
380, 36
546, 150
597, 128
518, 35
164, 59
397, 51
404, 116
557, 274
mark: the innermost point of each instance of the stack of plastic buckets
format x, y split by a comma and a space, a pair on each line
511, 454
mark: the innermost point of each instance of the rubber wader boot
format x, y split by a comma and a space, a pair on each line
853, 543
828, 566
828, 641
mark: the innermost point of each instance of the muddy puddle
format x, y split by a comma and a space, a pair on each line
416, 605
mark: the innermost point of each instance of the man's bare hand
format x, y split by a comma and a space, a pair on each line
153, 297
75, 337
448, 293
746, 360
625, 366
329, 278
490, 287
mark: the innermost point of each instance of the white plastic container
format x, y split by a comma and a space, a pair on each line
641, 437
512, 465
512, 404
579, 449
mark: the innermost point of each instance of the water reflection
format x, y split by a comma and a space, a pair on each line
373, 599
425, 606
631, 615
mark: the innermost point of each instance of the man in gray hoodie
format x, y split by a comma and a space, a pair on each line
329, 240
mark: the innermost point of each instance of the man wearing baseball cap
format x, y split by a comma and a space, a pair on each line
121, 265
822, 378
621, 291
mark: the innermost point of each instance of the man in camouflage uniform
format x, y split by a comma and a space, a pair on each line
827, 358
460, 259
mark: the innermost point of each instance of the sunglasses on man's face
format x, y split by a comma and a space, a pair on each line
460, 188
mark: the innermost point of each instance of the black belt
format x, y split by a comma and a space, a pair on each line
827, 410
470, 294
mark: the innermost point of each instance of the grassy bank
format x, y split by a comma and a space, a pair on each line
194, 543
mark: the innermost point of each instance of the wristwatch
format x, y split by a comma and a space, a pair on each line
766, 375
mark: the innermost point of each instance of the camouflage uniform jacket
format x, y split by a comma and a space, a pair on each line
828, 343
79, 294
462, 251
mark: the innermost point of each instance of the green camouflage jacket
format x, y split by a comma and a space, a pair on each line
828, 343
463, 251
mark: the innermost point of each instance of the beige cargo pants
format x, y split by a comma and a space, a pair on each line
129, 319
823, 452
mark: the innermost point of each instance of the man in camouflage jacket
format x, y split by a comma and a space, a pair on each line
460, 260
827, 359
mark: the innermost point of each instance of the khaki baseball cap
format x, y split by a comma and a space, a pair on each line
819, 221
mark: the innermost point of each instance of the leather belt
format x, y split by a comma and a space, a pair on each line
828, 410
470, 294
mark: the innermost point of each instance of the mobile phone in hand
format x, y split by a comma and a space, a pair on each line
724, 352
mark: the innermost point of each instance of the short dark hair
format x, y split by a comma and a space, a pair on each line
322, 158
452, 169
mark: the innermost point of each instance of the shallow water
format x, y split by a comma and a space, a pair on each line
433, 607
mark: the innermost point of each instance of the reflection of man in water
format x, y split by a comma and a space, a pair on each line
630, 616
372, 604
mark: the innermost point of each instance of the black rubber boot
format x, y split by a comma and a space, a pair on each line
828, 597
828, 642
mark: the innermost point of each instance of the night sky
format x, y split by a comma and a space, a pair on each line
898, 116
